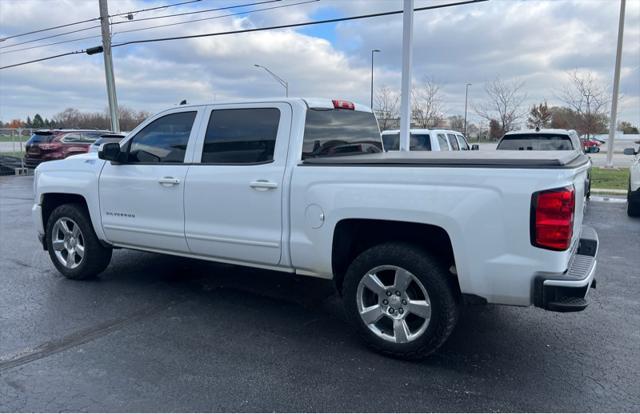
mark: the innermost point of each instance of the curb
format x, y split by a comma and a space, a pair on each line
608, 191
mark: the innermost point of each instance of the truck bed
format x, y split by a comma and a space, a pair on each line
472, 159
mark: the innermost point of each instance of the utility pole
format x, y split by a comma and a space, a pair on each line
108, 66
466, 97
372, 52
405, 101
616, 86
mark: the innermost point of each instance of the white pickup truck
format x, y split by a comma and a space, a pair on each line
301, 186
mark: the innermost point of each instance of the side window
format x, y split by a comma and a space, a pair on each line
72, 137
454, 142
91, 136
241, 136
163, 140
464, 146
442, 140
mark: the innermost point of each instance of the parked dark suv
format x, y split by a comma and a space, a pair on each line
58, 144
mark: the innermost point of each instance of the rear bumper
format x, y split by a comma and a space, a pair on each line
567, 292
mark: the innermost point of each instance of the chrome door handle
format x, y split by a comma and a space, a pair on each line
263, 185
168, 181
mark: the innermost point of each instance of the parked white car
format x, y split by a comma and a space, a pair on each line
633, 196
544, 140
427, 140
541, 140
302, 186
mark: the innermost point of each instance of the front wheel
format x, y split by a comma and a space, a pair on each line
73, 245
401, 300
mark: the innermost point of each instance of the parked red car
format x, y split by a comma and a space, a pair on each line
58, 144
590, 145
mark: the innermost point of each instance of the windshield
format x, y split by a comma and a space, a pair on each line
41, 138
335, 132
536, 142
419, 142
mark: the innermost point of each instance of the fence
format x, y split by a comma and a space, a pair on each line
12, 148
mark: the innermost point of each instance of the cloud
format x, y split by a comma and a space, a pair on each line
534, 41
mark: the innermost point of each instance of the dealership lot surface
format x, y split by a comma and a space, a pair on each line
158, 333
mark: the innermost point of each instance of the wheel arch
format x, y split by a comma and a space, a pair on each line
353, 236
50, 201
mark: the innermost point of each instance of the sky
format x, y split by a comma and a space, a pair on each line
535, 42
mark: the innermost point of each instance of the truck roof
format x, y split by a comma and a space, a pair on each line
422, 131
310, 102
541, 131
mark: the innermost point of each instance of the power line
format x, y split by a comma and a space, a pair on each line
143, 28
194, 12
285, 26
51, 44
92, 20
258, 29
132, 21
49, 37
217, 17
154, 8
41, 59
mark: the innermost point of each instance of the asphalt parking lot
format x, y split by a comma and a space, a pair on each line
158, 333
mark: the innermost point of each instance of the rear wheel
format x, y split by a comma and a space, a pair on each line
72, 244
401, 300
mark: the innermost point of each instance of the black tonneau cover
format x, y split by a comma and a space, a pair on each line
474, 159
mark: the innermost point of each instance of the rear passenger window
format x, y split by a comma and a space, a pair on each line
454, 142
163, 140
241, 136
442, 140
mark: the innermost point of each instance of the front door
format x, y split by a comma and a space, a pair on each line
141, 199
233, 197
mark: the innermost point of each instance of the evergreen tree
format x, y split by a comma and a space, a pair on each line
37, 121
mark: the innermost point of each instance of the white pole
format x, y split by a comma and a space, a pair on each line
108, 66
616, 85
405, 98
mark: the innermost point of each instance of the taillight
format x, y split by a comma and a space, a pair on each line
552, 214
340, 104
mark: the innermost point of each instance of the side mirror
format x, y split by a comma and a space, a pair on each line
110, 152
629, 151
475, 147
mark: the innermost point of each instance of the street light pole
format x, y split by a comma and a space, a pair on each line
405, 102
466, 98
616, 85
108, 66
372, 52
277, 78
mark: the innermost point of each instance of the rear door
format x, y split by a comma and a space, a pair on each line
233, 193
141, 199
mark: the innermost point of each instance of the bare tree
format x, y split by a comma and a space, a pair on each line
589, 99
73, 118
386, 107
503, 104
426, 108
539, 116
456, 123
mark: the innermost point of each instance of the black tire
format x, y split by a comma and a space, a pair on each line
96, 256
435, 278
633, 203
